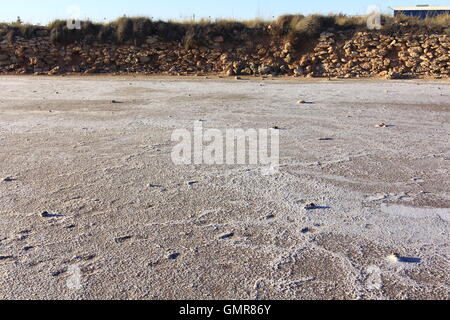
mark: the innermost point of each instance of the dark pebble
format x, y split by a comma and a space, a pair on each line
174, 256
226, 236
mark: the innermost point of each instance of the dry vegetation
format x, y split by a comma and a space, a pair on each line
137, 29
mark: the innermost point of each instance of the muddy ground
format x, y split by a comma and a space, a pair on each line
92, 206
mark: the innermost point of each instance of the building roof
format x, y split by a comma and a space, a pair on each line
421, 8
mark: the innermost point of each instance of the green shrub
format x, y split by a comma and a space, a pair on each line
56, 35
312, 26
57, 24
142, 28
295, 27
10, 36
190, 40
106, 33
285, 24
124, 29
27, 31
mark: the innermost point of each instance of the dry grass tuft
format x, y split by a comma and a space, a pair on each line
298, 28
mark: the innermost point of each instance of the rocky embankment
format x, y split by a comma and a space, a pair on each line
340, 54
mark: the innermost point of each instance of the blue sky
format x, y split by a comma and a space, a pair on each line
43, 11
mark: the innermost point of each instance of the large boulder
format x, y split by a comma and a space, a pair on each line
144, 59
219, 39
4, 57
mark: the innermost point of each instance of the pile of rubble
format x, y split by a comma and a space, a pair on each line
341, 54
370, 54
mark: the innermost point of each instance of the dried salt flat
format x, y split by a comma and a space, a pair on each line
172, 249
416, 213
